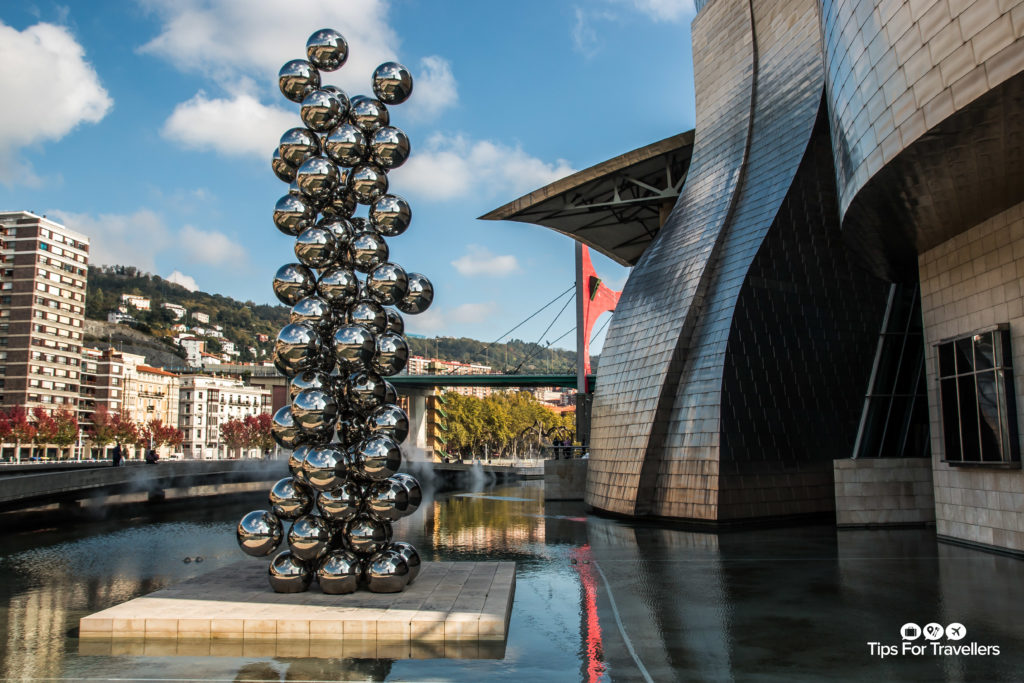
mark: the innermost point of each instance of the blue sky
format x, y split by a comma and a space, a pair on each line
149, 124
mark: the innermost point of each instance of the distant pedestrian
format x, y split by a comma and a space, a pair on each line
118, 455
151, 457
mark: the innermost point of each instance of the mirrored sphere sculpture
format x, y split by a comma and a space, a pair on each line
292, 214
389, 147
314, 410
391, 356
284, 430
297, 79
259, 533
346, 145
297, 145
380, 457
368, 114
316, 248
295, 462
365, 390
389, 420
282, 169
354, 346
339, 572
413, 487
369, 314
298, 345
342, 503
392, 83
292, 282
289, 574
420, 295
290, 499
390, 215
322, 110
366, 535
368, 251
317, 178
308, 537
387, 572
338, 286
396, 325
321, 468
388, 500
327, 49
411, 557
315, 312
387, 284
367, 182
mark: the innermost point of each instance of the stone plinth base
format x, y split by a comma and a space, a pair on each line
565, 479
459, 606
884, 491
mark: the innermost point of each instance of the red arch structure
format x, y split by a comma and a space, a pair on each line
593, 298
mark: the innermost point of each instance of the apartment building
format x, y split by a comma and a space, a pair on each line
206, 403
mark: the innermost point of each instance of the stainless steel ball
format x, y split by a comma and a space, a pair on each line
341, 504
352, 431
317, 178
387, 572
365, 390
338, 286
293, 214
290, 499
412, 485
284, 430
310, 379
342, 202
347, 145
327, 49
297, 79
419, 296
412, 558
295, 461
340, 227
390, 215
390, 393
389, 147
259, 533
308, 537
369, 314
396, 325
380, 457
388, 500
289, 574
298, 345
322, 110
340, 94
368, 251
366, 535
316, 248
368, 114
392, 83
367, 182
315, 411
389, 420
391, 356
292, 282
282, 169
316, 312
297, 145
339, 572
387, 284
354, 346
321, 468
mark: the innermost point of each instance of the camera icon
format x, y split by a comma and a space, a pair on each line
910, 631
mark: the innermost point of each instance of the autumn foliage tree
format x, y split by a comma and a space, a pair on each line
251, 432
157, 433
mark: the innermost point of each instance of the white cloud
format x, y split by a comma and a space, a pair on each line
665, 10
453, 167
471, 313
479, 260
584, 37
434, 88
48, 89
227, 39
240, 125
436, 319
186, 281
211, 247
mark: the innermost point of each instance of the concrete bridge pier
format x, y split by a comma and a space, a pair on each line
417, 411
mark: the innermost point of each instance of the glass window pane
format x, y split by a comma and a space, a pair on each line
950, 419
983, 351
988, 410
970, 440
947, 366
964, 355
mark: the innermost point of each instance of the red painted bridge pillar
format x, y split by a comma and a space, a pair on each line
593, 298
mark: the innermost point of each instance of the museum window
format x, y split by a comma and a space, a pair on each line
979, 415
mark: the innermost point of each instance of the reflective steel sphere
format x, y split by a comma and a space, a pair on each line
292, 282
282, 169
387, 572
389, 147
327, 49
298, 346
321, 468
390, 215
354, 346
395, 323
387, 284
392, 354
259, 533
380, 457
284, 430
290, 499
342, 202
310, 379
411, 557
420, 295
367, 182
340, 227
360, 224
293, 214
316, 248
368, 250
315, 312
352, 431
365, 390
389, 420
338, 286
368, 114
289, 574
388, 500
297, 79
392, 83
366, 535
390, 393
369, 314
413, 487
295, 460
297, 145
339, 572
347, 145
308, 537
317, 178
341, 504
315, 411
322, 110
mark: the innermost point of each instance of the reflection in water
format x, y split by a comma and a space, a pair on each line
779, 604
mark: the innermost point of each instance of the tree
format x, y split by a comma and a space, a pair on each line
104, 430
22, 430
5, 428
67, 429
235, 434
258, 432
158, 434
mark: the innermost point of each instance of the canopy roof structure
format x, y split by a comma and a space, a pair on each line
615, 207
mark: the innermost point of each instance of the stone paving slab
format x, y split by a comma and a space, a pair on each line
453, 609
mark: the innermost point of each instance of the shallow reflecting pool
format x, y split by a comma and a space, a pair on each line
596, 599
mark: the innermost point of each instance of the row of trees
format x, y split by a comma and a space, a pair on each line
252, 431
503, 424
